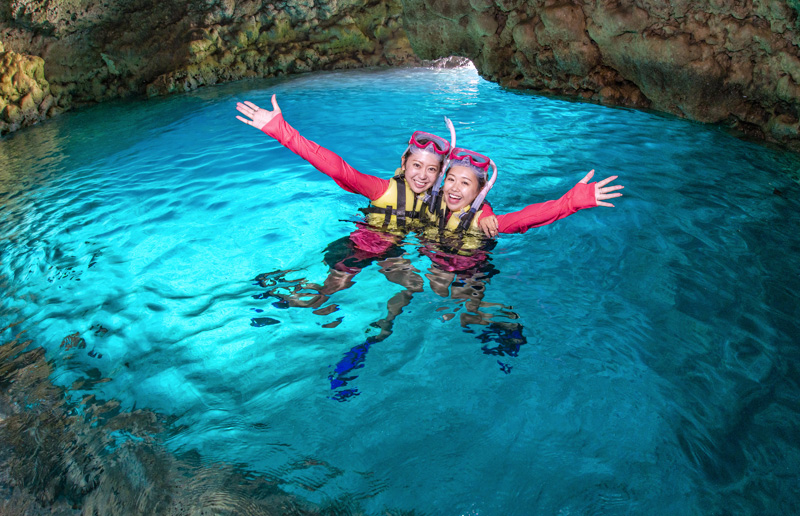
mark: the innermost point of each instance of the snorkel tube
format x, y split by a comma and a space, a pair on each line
466, 217
485, 190
430, 199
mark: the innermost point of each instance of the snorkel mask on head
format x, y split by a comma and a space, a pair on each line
480, 165
430, 142
430, 198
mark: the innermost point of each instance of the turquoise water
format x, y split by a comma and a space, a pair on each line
635, 360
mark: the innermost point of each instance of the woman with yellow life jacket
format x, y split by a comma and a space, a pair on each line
396, 203
466, 183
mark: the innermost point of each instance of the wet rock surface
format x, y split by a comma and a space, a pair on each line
729, 62
85, 51
24, 93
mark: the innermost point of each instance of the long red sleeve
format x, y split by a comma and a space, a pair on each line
579, 197
325, 161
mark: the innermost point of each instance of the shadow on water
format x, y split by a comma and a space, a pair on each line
66, 457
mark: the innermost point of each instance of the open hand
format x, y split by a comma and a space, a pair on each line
601, 191
258, 117
489, 226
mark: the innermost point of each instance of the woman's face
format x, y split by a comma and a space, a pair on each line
460, 187
421, 169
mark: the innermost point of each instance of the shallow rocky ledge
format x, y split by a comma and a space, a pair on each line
730, 62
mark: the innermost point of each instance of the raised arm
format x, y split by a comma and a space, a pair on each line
582, 195
327, 162
603, 192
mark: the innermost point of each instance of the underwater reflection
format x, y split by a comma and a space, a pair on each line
454, 273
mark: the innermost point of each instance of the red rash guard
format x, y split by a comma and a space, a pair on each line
579, 197
326, 161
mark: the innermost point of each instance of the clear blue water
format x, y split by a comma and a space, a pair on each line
635, 360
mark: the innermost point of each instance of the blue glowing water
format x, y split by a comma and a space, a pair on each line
642, 359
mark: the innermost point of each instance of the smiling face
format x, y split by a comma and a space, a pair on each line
460, 188
421, 169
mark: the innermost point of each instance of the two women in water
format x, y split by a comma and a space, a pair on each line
458, 208
399, 200
396, 205
415, 199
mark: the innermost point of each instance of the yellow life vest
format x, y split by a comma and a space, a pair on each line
438, 217
397, 208
454, 221
457, 235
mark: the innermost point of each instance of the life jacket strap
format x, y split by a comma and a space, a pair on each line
401, 205
465, 221
400, 213
388, 209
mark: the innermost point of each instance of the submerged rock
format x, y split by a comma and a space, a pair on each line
66, 452
90, 457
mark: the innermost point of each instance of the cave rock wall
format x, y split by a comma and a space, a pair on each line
56, 54
730, 62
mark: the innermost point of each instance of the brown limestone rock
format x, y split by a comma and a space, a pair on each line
94, 51
24, 93
730, 62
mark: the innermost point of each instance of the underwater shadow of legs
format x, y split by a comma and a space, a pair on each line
355, 358
468, 288
509, 339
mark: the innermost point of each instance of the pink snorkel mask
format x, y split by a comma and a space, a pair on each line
481, 163
437, 184
428, 141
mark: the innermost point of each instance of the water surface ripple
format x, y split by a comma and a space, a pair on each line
635, 360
